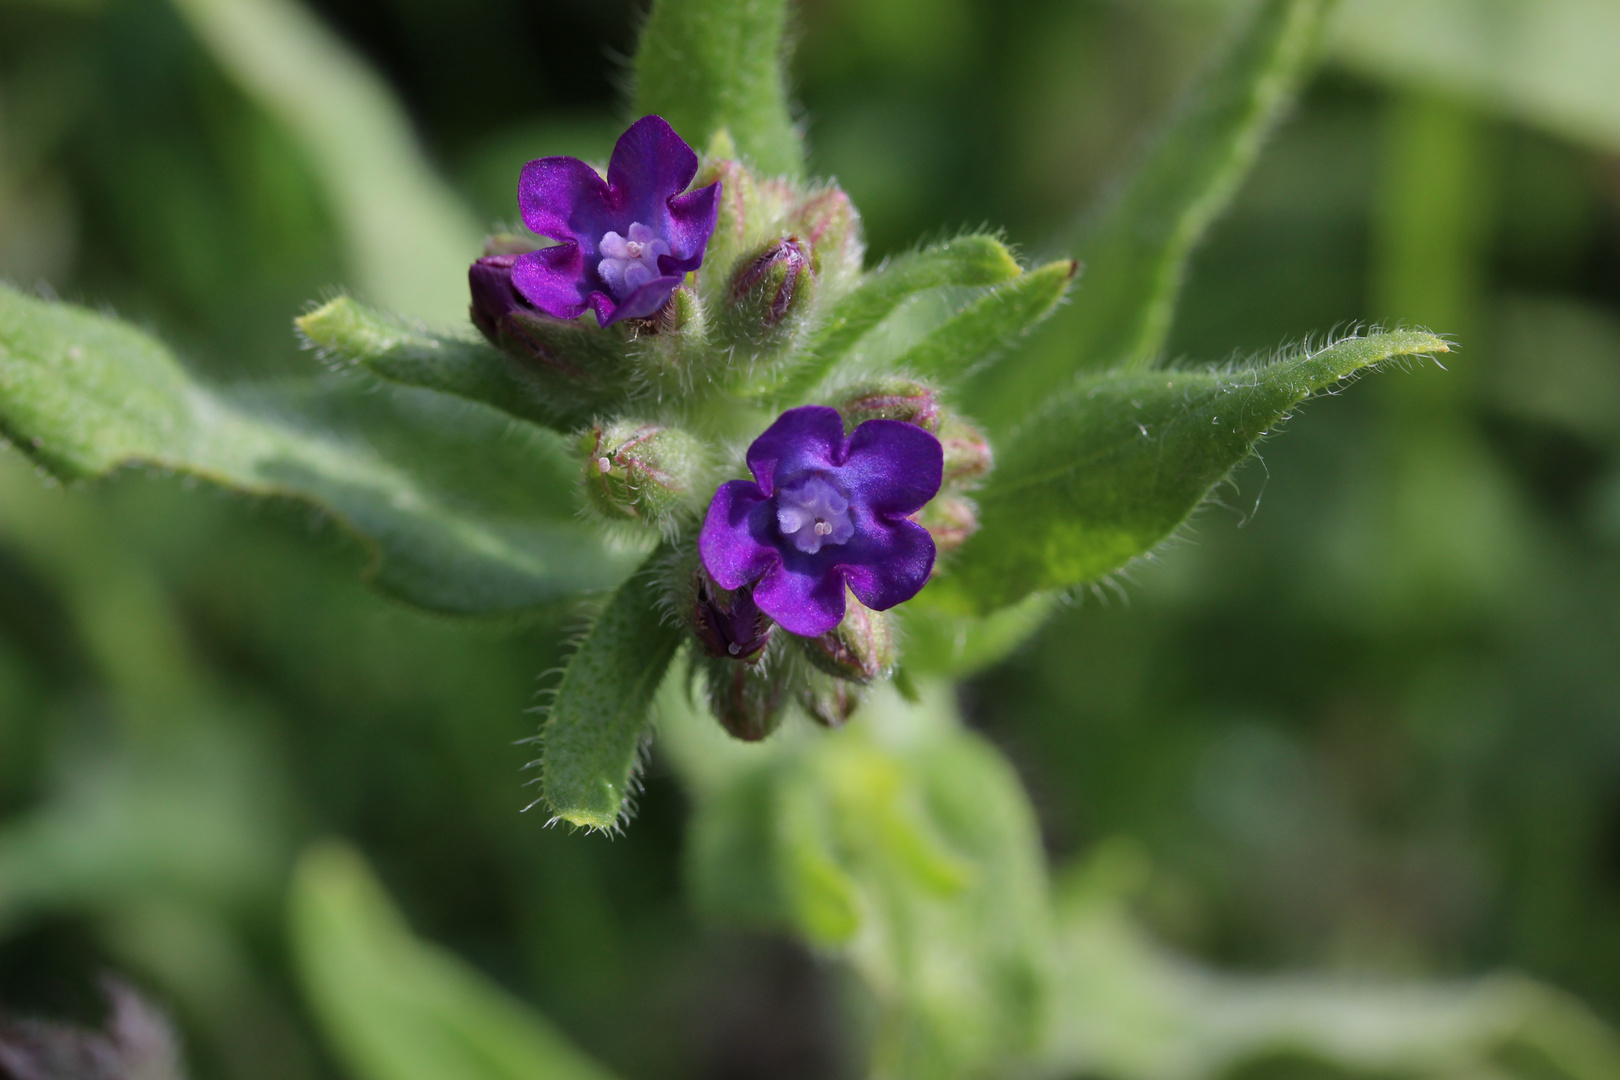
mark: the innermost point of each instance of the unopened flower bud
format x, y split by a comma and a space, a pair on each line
967, 452
639, 472
769, 295
860, 649
493, 296
891, 398
828, 701
829, 221
745, 698
950, 520
729, 625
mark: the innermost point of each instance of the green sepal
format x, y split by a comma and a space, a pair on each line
598, 719
1135, 251
972, 260
984, 330
462, 510
670, 353
1111, 468
570, 370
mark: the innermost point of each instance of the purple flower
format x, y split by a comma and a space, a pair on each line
824, 511
625, 242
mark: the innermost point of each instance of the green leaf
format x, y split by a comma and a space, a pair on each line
966, 261
595, 727
716, 65
409, 238
986, 328
462, 508
947, 644
563, 396
396, 1008
901, 841
1110, 469
1135, 252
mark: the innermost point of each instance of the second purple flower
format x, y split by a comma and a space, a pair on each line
822, 512
625, 242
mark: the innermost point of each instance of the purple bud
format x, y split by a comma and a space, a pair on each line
860, 649
729, 625
891, 398
769, 295
968, 457
493, 295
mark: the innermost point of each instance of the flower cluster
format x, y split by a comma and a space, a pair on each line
715, 283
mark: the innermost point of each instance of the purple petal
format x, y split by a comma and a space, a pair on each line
806, 604
733, 539
888, 562
802, 439
553, 279
688, 223
649, 164
641, 304
894, 468
564, 199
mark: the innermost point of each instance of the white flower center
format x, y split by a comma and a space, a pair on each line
628, 263
813, 512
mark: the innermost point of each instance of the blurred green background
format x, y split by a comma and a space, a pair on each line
1363, 717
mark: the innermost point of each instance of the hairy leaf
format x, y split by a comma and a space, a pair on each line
463, 509
396, 1008
563, 394
1135, 252
596, 724
713, 65
972, 260
409, 239
984, 329
1109, 469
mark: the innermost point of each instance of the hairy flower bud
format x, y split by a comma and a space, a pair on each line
950, 520
829, 222
860, 649
745, 698
968, 458
828, 701
891, 398
769, 296
639, 472
493, 296
729, 625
